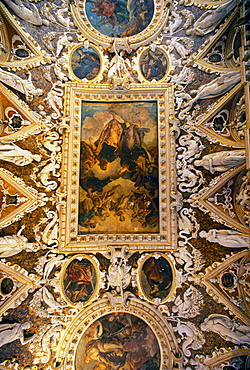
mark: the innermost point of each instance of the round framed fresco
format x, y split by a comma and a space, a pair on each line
102, 21
156, 278
80, 281
85, 63
101, 337
154, 65
118, 340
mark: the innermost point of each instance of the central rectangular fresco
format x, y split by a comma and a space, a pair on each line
118, 177
118, 169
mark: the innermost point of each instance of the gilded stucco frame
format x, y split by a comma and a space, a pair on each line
140, 53
102, 63
169, 259
165, 239
95, 263
171, 355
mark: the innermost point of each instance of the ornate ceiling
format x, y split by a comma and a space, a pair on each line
124, 185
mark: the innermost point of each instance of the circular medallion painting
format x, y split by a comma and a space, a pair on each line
120, 18
85, 63
118, 341
154, 64
79, 281
156, 278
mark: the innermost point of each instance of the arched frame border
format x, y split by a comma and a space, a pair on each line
141, 262
224, 356
94, 295
171, 356
99, 74
161, 12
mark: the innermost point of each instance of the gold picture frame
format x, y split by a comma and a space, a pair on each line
86, 64
80, 293
71, 351
153, 65
157, 291
86, 222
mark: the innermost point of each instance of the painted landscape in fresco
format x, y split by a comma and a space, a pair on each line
116, 341
118, 190
79, 280
153, 64
156, 278
85, 63
120, 18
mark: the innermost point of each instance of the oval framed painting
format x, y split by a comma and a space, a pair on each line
156, 277
134, 21
154, 65
80, 280
85, 64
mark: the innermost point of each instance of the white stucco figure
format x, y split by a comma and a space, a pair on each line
177, 46
65, 21
209, 20
50, 300
25, 87
191, 147
227, 238
54, 99
53, 261
63, 41
222, 161
191, 336
30, 14
13, 244
174, 24
118, 274
184, 258
228, 329
119, 70
11, 332
190, 305
217, 87
14, 154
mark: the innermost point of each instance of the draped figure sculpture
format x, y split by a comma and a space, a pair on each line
14, 244
14, 154
222, 161
227, 328
11, 332
209, 20
227, 238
